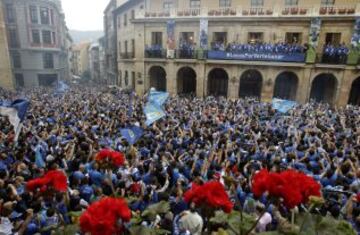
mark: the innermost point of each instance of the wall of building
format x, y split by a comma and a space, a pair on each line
6, 80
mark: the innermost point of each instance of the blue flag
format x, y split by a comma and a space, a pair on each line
16, 112
153, 113
39, 156
157, 97
283, 105
132, 134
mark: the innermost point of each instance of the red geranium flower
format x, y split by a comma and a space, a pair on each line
211, 194
117, 159
293, 186
101, 217
55, 178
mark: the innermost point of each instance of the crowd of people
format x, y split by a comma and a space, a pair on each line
199, 140
273, 48
335, 54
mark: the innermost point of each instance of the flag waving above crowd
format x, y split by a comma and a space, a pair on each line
16, 112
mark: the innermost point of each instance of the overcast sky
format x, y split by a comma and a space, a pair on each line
84, 14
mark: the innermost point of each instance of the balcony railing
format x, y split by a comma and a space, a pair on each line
155, 53
185, 54
343, 10
127, 55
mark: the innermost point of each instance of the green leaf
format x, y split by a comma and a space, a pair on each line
137, 230
67, 230
155, 209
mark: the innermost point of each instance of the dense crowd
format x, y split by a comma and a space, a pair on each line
199, 140
335, 54
283, 48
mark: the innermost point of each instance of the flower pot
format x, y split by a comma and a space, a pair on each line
323, 11
341, 11
303, 12
285, 12
294, 11
351, 11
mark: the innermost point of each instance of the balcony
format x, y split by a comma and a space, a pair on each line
302, 11
127, 55
155, 53
185, 54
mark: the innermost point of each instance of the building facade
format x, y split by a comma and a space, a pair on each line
6, 80
94, 62
36, 34
80, 58
172, 45
110, 42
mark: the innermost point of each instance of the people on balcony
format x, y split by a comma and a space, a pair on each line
335, 54
186, 49
278, 48
153, 51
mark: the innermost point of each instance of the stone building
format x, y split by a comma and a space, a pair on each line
6, 80
36, 34
80, 58
161, 27
94, 62
110, 44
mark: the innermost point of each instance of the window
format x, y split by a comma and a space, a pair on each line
52, 17
46, 37
35, 36
187, 38
133, 80
34, 15
224, 3
333, 38
53, 37
126, 46
156, 38
125, 19
126, 78
48, 60
44, 15
291, 2
327, 2
255, 37
16, 59
132, 14
119, 48
293, 38
19, 79
257, 3
220, 37
133, 47
194, 3
167, 6
120, 78
119, 21
10, 13
13, 38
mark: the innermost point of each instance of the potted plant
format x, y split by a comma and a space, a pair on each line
332, 11
269, 12
285, 11
294, 10
303, 11
245, 12
232, 12
351, 11
323, 11
342, 11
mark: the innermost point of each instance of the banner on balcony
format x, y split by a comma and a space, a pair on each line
355, 40
170, 28
314, 31
224, 55
204, 33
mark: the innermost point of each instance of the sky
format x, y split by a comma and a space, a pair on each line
84, 14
